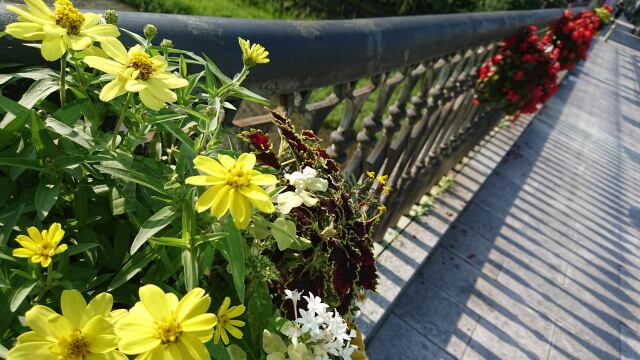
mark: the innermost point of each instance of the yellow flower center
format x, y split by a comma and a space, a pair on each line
141, 62
46, 249
238, 178
169, 331
67, 16
75, 346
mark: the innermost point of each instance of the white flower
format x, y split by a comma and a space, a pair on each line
304, 182
338, 328
310, 322
347, 351
294, 296
293, 332
315, 304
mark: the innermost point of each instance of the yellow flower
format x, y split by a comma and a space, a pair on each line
253, 54
226, 322
382, 209
63, 28
161, 327
386, 189
382, 179
371, 174
135, 71
81, 332
235, 186
41, 246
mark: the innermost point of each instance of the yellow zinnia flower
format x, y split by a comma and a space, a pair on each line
161, 327
64, 27
81, 332
253, 54
235, 186
136, 71
226, 322
41, 246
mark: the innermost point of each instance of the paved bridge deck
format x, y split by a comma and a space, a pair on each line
544, 263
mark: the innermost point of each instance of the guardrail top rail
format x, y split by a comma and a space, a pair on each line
416, 72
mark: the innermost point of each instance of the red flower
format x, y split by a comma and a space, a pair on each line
518, 75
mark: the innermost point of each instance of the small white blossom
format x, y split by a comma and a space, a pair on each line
304, 182
310, 322
294, 296
315, 304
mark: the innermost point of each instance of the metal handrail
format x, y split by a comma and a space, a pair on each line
312, 54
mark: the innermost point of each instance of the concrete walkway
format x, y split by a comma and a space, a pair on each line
544, 263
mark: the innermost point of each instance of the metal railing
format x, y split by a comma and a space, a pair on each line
417, 73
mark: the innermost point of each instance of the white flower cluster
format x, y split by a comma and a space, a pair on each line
306, 182
324, 333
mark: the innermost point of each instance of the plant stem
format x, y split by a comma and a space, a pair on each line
114, 139
63, 80
47, 284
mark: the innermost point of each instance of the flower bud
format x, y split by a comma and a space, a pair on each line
253, 54
150, 31
166, 43
111, 17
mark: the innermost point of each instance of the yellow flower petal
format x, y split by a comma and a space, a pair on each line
171, 81
62, 248
204, 180
222, 201
27, 242
30, 351
200, 323
224, 336
27, 16
35, 234
263, 179
192, 348
159, 90
112, 90
101, 32
224, 306
38, 8
258, 198
235, 332
137, 334
90, 20
135, 85
22, 253
209, 166
155, 301
60, 326
226, 161
45, 261
246, 161
195, 302
25, 31
109, 66
53, 48
79, 43
150, 101
114, 48
73, 305
37, 319
100, 305
237, 323
235, 311
103, 343
206, 200
240, 209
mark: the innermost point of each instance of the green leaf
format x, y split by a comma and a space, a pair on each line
12, 129
247, 94
177, 132
46, 197
40, 138
7, 227
284, 232
133, 176
234, 246
136, 37
71, 113
217, 351
39, 90
259, 311
3, 352
190, 266
33, 164
168, 241
80, 248
132, 267
155, 223
236, 352
20, 295
69, 133
10, 106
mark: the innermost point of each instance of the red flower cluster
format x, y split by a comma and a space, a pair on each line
520, 77
570, 38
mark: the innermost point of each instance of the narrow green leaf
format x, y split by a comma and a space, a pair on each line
168, 241
39, 90
80, 248
11, 106
69, 133
132, 267
46, 197
7, 227
20, 295
33, 164
132, 176
247, 94
13, 128
259, 311
177, 132
234, 246
155, 223
190, 266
